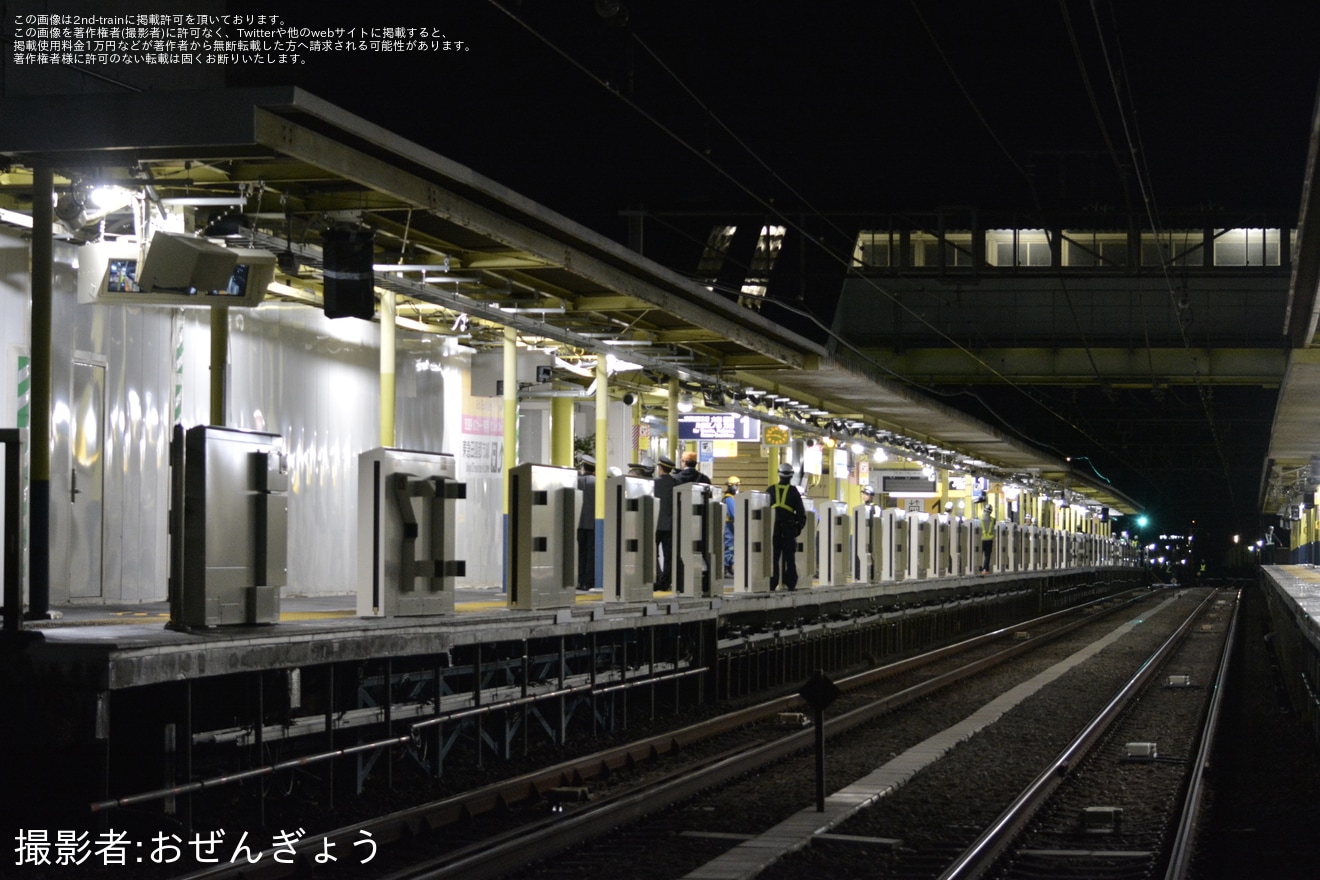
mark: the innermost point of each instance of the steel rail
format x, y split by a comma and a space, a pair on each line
1180, 856
997, 837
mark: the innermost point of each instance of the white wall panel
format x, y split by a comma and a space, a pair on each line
292, 372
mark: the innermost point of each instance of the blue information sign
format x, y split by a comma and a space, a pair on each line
718, 426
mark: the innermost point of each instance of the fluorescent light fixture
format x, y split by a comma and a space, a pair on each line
685, 403
206, 201
16, 218
575, 369
619, 365
411, 267
109, 198
456, 279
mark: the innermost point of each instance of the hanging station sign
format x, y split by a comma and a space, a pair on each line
718, 426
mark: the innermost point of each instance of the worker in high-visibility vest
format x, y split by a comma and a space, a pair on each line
987, 536
789, 518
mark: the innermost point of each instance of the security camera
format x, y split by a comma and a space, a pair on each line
629, 399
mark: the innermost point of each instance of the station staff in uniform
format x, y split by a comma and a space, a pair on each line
664, 523
789, 518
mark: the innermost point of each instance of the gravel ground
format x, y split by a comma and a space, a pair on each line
749, 806
944, 806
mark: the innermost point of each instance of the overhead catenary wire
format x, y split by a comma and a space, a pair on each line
1031, 186
788, 222
1132, 136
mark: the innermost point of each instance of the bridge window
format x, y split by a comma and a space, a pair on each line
768, 244
1173, 248
1094, 249
1081, 249
716, 249
926, 246
877, 249
1017, 247
958, 249
1247, 247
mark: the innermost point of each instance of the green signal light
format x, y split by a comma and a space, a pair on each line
1142, 521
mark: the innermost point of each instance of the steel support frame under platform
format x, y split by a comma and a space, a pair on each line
255, 747
256, 743
782, 655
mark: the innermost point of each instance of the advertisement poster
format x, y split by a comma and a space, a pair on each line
481, 436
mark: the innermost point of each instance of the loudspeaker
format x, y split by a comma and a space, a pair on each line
347, 256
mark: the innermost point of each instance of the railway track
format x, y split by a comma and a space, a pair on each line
542, 813
1123, 799
697, 839
1108, 799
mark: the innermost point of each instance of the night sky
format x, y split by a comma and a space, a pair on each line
845, 106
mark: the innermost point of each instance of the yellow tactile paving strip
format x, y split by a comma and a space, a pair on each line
112, 618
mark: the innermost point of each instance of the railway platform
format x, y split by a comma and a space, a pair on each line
127, 716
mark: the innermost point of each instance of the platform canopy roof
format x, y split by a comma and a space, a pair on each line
276, 167
1292, 471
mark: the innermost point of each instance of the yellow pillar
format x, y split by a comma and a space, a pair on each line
510, 435
561, 431
602, 451
510, 404
672, 425
387, 349
636, 439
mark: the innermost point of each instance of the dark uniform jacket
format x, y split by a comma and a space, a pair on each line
664, 490
786, 502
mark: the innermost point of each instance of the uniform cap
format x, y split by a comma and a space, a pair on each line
666, 461
867, 490
587, 460
785, 470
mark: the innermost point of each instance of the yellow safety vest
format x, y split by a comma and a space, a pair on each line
781, 495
